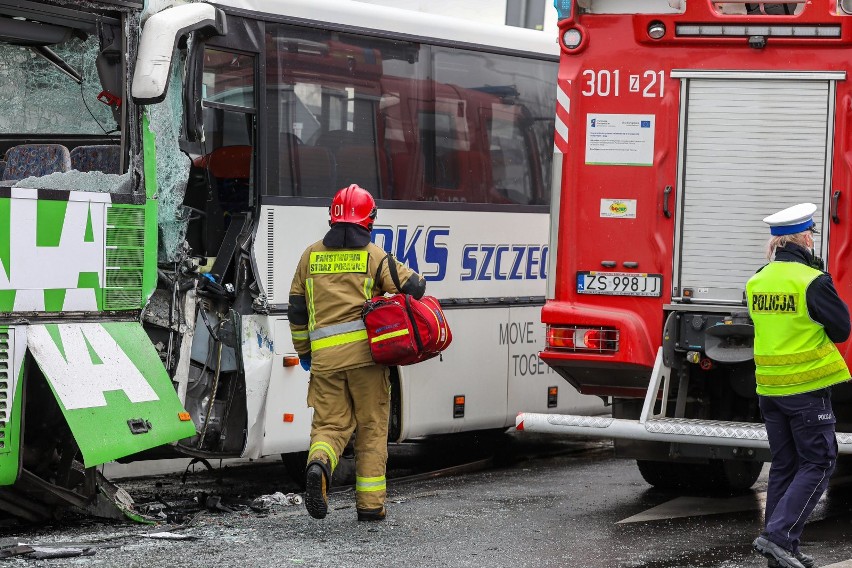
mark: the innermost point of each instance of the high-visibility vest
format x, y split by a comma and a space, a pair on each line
792, 353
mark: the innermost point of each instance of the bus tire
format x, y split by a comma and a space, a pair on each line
294, 465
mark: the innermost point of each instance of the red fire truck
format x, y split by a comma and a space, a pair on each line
680, 124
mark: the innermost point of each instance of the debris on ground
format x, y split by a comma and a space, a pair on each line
170, 536
266, 502
46, 552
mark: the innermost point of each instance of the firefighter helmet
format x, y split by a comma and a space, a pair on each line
353, 204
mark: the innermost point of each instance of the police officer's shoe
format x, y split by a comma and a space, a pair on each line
807, 561
372, 514
772, 551
316, 489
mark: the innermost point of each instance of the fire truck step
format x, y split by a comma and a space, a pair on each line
678, 430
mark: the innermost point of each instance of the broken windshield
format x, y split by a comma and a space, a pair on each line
61, 76
39, 98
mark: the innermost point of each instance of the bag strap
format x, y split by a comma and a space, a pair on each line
392, 267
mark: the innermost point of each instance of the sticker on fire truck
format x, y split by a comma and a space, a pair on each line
618, 208
620, 139
620, 284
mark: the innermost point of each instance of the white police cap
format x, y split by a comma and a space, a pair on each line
792, 220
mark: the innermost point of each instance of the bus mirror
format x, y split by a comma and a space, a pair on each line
160, 35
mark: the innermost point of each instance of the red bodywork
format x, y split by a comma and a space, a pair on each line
620, 43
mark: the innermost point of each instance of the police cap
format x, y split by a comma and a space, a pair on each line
792, 220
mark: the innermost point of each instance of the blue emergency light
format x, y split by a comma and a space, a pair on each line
563, 8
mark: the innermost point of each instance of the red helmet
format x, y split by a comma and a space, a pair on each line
353, 204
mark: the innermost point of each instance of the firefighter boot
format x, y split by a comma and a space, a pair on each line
773, 551
372, 514
807, 561
317, 477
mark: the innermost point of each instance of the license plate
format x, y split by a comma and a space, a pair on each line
620, 284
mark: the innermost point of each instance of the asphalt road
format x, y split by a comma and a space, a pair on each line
542, 503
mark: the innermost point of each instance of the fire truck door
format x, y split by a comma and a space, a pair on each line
751, 144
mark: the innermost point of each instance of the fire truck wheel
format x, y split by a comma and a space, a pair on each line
718, 475
671, 475
735, 475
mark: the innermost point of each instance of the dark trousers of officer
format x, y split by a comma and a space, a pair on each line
800, 429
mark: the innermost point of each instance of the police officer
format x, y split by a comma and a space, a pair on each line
798, 317
347, 390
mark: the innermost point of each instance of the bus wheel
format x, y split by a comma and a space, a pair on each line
294, 465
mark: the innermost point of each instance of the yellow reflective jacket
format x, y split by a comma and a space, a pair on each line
334, 283
792, 353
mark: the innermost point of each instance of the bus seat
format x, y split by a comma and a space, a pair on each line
230, 171
316, 172
229, 162
104, 158
29, 160
2, 168
357, 164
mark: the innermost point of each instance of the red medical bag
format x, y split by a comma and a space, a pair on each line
403, 330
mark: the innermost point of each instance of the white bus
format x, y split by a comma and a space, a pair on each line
151, 273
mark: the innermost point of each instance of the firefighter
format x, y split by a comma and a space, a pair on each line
798, 317
347, 390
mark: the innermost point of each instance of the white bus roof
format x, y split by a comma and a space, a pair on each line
397, 21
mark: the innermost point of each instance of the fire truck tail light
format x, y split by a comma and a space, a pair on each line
695, 30
583, 339
572, 38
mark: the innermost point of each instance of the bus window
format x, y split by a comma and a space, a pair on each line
323, 95
510, 101
438, 137
221, 184
405, 121
511, 166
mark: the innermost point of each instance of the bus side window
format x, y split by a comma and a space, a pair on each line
440, 161
509, 150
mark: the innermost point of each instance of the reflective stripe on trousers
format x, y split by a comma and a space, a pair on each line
370, 483
327, 450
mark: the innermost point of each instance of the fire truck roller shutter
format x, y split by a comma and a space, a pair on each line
749, 141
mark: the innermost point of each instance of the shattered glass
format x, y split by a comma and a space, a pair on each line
38, 98
172, 165
84, 181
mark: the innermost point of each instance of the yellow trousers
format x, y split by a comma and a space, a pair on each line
346, 400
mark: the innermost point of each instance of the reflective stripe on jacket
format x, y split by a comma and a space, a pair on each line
792, 352
335, 283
